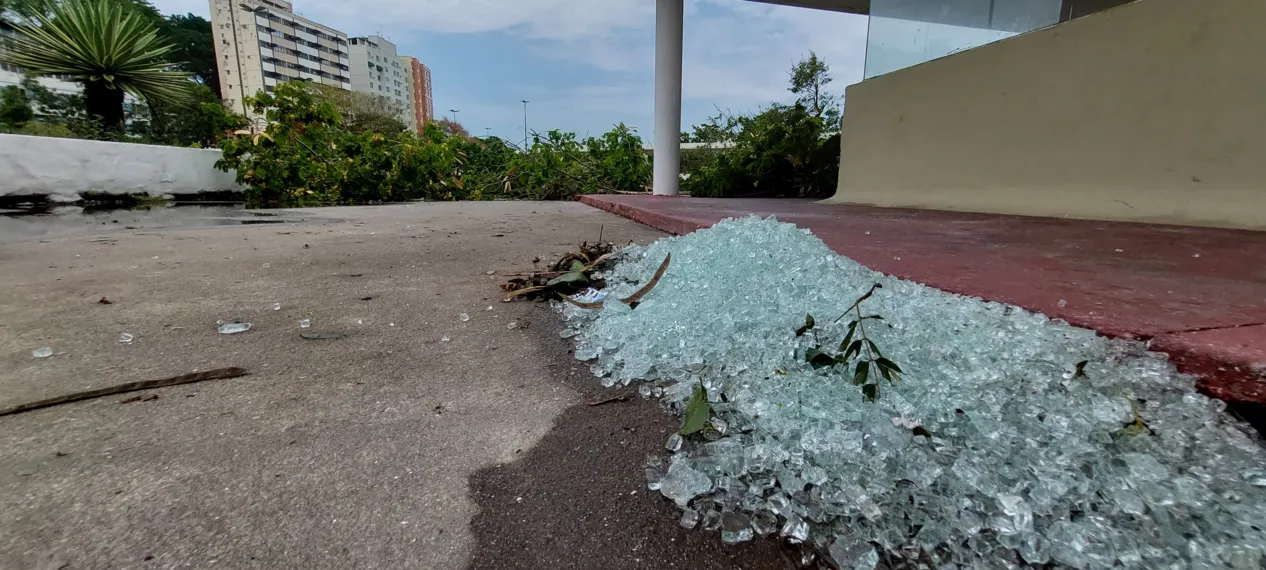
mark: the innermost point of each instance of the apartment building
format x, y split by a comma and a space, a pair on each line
260, 43
377, 70
420, 87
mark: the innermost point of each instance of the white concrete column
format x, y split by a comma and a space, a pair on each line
669, 15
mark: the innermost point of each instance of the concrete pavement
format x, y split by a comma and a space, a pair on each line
351, 453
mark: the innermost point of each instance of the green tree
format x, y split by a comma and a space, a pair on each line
14, 12
809, 78
558, 166
51, 106
718, 128
452, 127
620, 161
202, 124
306, 156
361, 112
15, 107
108, 46
783, 151
484, 167
193, 48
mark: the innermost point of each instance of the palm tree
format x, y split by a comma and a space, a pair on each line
107, 46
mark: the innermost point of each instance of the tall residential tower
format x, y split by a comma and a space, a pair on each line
377, 70
420, 89
259, 43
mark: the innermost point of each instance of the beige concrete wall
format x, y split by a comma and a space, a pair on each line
1152, 111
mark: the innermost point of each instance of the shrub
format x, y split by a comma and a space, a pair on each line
15, 107
782, 151
305, 157
558, 166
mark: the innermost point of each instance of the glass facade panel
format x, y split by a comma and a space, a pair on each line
909, 32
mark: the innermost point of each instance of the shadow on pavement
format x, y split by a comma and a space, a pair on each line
579, 499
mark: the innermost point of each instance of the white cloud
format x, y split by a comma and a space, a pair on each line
543, 19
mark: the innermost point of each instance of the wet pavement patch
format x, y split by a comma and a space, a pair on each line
38, 219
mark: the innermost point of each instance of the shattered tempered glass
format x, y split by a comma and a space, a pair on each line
1031, 459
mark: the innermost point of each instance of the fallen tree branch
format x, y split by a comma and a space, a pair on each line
635, 297
217, 374
610, 400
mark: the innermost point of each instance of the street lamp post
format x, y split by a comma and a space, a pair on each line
454, 112
525, 131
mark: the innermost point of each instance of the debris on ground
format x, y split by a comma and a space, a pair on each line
1011, 440
105, 301
126, 338
217, 374
43, 352
610, 400
322, 336
573, 272
631, 300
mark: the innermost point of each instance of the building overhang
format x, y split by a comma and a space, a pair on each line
861, 7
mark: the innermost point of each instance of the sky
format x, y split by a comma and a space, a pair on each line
586, 65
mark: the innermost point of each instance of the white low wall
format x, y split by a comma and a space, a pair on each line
63, 168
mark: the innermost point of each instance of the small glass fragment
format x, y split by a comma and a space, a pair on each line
305, 323
689, 518
463, 317
234, 328
44, 352
125, 338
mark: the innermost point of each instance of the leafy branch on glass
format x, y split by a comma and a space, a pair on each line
871, 363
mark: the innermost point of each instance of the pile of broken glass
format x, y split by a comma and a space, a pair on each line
1012, 439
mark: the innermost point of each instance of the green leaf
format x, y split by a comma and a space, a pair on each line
887, 374
572, 277
808, 325
698, 412
818, 359
884, 362
853, 350
577, 267
852, 328
863, 372
873, 348
876, 317
871, 391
